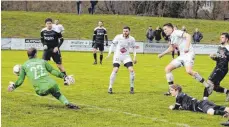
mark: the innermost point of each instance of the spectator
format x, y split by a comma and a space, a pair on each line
197, 36
78, 4
157, 34
92, 8
150, 34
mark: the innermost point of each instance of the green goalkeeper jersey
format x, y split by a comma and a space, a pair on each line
37, 71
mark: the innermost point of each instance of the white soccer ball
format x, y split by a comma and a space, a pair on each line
16, 69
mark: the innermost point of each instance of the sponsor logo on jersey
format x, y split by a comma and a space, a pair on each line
100, 33
49, 38
123, 50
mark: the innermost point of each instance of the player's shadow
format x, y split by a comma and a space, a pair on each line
53, 107
49, 106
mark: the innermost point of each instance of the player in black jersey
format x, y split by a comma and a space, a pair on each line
52, 40
185, 102
98, 41
221, 69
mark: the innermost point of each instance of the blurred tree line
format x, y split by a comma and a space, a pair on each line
175, 9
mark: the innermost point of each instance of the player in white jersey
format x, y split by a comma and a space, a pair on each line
58, 27
123, 43
182, 41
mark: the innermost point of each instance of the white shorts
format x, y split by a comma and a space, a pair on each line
121, 59
186, 59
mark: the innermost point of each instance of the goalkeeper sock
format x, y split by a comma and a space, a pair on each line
60, 97
63, 99
132, 76
112, 79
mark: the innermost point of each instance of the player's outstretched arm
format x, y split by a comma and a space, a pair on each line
106, 38
174, 107
12, 86
188, 41
52, 71
110, 50
93, 38
214, 56
70, 79
135, 54
170, 49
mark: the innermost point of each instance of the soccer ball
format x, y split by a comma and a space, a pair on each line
16, 69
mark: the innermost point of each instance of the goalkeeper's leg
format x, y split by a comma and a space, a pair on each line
55, 91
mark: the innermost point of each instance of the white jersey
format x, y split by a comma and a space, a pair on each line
123, 44
59, 28
177, 40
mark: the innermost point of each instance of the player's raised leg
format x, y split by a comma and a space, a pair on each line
199, 78
55, 91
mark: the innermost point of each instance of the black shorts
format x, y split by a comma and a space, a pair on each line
204, 105
217, 75
99, 46
129, 64
55, 56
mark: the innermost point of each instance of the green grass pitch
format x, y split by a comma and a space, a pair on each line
148, 107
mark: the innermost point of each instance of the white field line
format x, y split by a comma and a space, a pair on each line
116, 111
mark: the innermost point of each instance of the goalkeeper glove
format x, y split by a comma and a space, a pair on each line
11, 87
69, 79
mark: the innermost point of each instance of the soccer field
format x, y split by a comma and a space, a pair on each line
147, 107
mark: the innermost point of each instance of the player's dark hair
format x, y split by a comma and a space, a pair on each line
126, 27
48, 20
177, 87
31, 52
226, 35
168, 24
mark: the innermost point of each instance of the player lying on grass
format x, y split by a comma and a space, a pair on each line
37, 71
185, 102
221, 68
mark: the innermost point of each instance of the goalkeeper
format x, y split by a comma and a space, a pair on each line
37, 71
